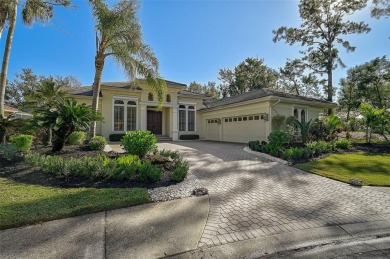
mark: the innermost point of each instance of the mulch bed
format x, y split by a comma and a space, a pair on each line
20, 172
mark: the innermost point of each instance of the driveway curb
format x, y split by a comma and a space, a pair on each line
298, 240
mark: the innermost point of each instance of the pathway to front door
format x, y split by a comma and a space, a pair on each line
252, 197
154, 122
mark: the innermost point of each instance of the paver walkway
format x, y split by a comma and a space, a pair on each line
252, 197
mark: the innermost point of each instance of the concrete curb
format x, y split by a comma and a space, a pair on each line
266, 156
290, 241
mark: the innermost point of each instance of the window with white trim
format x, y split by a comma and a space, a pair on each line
187, 115
125, 115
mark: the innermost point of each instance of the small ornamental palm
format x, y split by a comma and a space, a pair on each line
7, 125
66, 117
304, 127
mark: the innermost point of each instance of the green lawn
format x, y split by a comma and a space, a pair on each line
372, 169
22, 204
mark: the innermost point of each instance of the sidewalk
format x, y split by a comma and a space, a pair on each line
146, 231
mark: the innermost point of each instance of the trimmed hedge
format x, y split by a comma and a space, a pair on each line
189, 137
116, 137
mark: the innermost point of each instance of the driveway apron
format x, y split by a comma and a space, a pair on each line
252, 197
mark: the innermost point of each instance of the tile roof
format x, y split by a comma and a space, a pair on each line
259, 93
10, 108
192, 94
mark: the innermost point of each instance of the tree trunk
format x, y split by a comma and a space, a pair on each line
330, 88
99, 65
7, 52
58, 145
50, 139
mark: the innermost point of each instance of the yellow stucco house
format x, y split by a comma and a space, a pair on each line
240, 118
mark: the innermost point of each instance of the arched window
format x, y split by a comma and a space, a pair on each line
187, 118
125, 115
303, 116
150, 97
168, 100
296, 113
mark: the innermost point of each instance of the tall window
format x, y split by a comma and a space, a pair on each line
168, 98
191, 118
303, 116
150, 97
182, 118
186, 118
125, 115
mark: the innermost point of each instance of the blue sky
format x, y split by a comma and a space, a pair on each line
192, 39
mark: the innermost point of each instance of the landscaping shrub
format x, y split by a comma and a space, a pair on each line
53, 165
97, 143
170, 153
126, 167
343, 144
34, 159
295, 153
22, 142
189, 137
77, 138
116, 137
139, 142
254, 145
266, 148
180, 172
147, 171
278, 138
8, 151
319, 147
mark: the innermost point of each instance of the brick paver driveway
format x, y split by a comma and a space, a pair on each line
251, 196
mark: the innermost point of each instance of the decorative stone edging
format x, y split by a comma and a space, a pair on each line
263, 155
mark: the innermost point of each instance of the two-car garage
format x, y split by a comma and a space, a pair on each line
241, 129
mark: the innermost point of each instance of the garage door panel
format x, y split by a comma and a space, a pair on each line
243, 129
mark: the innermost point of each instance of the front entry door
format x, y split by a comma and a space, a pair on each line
155, 122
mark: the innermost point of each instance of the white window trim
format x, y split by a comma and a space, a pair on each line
186, 112
125, 99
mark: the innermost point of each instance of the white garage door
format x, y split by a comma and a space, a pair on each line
213, 129
243, 128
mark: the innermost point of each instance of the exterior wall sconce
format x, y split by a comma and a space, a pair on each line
264, 116
219, 121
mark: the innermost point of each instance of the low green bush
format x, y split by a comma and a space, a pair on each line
278, 138
8, 151
116, 137
295, 153
317, 148
77, 138
53, 165
170, 153
147, 171
343, 144
97, 143
126, 167
180, 171
139, 142
254, 145
34, 159
22, 142
189, 137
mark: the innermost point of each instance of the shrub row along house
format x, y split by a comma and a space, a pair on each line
240, 118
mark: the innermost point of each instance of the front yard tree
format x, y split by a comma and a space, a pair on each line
294, 80
321, 32
33, 10
372, 118
380, 8
119, 35
249, 75
64, 118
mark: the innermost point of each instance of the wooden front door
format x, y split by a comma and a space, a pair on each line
155, 122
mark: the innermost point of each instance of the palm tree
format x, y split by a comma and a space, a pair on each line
32, 11
46, 96
304, 127
8, 125
66, 117
372, 118
119, 35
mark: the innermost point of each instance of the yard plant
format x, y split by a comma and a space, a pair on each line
139, 142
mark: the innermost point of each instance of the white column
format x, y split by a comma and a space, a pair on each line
174, 129
299, 115
143, 117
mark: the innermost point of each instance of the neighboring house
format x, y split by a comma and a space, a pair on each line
8, 110
240, 118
